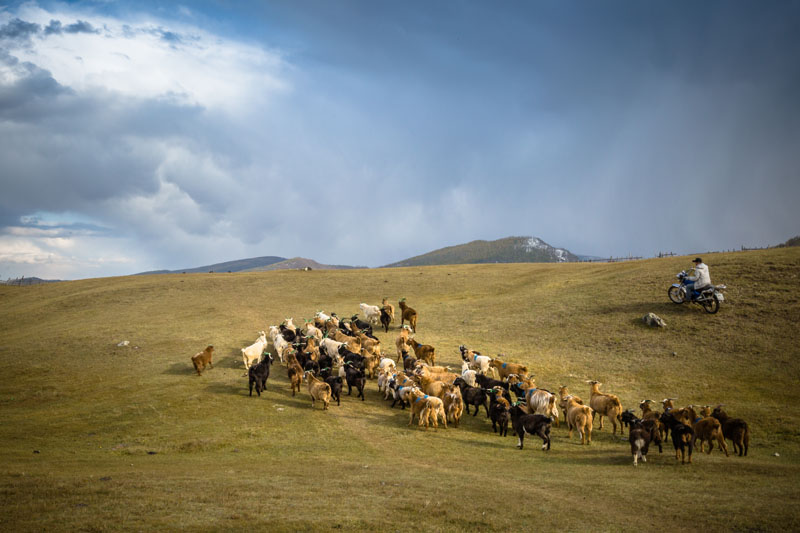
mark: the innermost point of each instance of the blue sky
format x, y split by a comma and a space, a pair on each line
149, 135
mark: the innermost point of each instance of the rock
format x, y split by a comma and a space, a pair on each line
651, 319
124, 343
777, 454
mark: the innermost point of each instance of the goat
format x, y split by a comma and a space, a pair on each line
453, 405
539, 401
386, 319
605, 405
579, 417
498, 411
258, 374
523, 424
424, 352
252, 354
427, 408
295, 372
408, 314
486, 382
468, 374
355, 378
707, 429
401, 343
281, 345
734, 429
565, 396
360, 325
682, 439
388, 309
318, 390
476, 361
506, 369
201, 360
371, 312
335, 383
649, 414
475, 396
640, 436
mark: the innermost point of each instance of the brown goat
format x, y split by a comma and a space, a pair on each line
707, 429
201, 360
734, 429
424, 352
408, 314
605, 405
506, 369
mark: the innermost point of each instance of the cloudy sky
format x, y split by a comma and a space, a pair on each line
149, 135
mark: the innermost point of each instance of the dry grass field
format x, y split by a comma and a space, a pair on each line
98, 437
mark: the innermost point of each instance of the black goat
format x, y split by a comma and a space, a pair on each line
366, 327
312, 366
409, 361
355, 378
258, 374
498, 411
530, 424
640, 435
288, 334
385, 320
488, 383
335, 383
475, 396
682, 439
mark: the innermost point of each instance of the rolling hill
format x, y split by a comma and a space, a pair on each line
99, 436
507, 250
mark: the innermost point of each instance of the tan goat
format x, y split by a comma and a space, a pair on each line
579, 417
318, 389
707, 429
605, 405
506, 369
201, 360
564, 395
389, 308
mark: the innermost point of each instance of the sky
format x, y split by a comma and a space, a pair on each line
137, 136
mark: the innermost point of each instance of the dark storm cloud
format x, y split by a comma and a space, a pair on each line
56, 28
19, 30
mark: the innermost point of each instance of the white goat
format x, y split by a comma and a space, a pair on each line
252, 354
372, 313
468, 374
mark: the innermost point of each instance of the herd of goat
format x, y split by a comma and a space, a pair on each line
329, 353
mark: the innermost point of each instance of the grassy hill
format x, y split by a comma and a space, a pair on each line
101, 437
508, 250
298, 263
239, 265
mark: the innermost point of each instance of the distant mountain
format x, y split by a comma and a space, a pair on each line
240, 265
508, 250
27, 281
299, 263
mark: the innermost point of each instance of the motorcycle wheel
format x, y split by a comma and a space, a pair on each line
711, 305
675, 295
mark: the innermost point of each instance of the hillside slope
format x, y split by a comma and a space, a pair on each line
97, 436
507, 250
238, 265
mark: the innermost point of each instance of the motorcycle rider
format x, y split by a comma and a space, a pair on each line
699, 279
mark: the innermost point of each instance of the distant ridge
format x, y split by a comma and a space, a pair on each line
28, 281
507, 250
240, 265
299, 263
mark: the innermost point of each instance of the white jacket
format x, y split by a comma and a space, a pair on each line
700, 276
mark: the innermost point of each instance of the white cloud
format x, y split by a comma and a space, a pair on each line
149, 58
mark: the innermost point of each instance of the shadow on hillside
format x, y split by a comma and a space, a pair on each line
181, 369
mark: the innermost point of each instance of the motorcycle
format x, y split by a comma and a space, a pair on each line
707, 297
